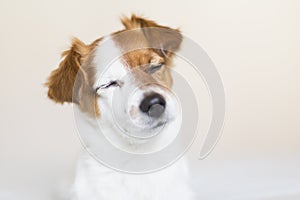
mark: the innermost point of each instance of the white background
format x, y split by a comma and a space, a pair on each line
254, 44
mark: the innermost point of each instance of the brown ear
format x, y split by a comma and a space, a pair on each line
163, 39
61, 80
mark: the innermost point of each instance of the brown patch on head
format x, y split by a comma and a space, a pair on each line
141, 57
144, 42
162, 39
70, 76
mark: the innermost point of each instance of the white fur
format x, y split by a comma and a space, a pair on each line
97, 182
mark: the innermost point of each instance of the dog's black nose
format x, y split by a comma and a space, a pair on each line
153, 104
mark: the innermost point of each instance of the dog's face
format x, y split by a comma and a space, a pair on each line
134, 91
136, 96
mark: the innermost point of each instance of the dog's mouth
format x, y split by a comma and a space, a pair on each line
148, 129
160, 124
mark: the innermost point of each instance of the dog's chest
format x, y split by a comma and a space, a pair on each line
96, 182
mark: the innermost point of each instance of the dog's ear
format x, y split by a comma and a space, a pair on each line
62, 80
164, 40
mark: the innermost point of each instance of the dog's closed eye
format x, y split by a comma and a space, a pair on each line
115, 83
155, 67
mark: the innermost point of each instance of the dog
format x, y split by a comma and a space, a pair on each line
140, 83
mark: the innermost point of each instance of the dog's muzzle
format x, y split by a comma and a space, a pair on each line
153, 105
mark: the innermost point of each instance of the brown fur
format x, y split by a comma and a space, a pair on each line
158, 37
62, 80
144, 42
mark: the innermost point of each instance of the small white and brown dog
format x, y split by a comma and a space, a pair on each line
144, 58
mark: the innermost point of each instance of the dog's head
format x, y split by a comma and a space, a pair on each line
135, 87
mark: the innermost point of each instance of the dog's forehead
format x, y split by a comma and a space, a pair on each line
118, 54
